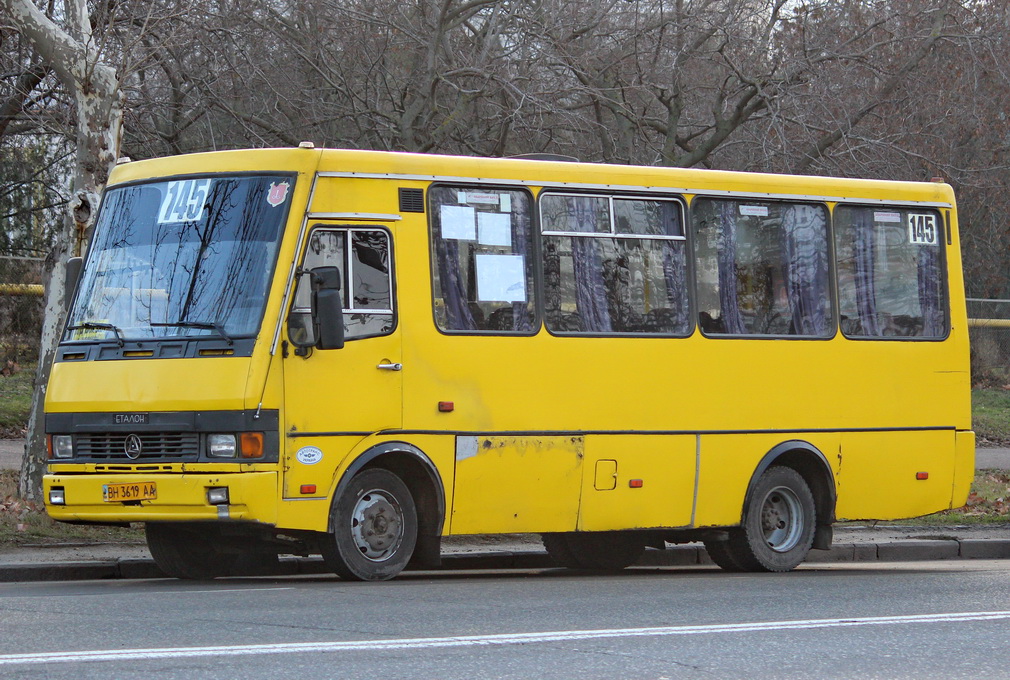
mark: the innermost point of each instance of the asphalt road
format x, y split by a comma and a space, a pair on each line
922, 620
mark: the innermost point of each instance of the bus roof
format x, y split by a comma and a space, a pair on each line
553, 174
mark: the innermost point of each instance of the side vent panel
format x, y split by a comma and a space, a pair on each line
411, 200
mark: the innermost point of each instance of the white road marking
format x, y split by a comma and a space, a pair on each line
485, 640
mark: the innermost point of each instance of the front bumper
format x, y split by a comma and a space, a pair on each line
180, 497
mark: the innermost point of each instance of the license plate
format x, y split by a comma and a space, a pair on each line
131, 491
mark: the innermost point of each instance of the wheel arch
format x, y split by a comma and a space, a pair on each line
811, 464
422, 478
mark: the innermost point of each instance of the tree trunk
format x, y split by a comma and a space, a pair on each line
99, 107
100, 115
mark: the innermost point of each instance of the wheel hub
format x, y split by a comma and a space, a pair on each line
781, 519
377, 525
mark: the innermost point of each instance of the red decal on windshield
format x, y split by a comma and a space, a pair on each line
278, 193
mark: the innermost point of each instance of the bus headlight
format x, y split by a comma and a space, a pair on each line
57, 496
63, 446
221, 445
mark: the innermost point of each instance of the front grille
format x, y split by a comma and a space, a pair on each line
180, 446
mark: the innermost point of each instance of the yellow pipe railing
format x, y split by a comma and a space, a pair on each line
989, 323
33, 289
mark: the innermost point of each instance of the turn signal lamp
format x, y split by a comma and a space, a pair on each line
251, 444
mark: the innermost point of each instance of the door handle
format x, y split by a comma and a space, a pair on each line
390, 367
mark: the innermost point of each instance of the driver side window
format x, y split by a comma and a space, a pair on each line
364, 259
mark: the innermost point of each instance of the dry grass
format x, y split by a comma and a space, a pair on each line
26, 523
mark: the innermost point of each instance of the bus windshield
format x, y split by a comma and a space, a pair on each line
190, 258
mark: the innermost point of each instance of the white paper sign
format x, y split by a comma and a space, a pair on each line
922, 229
458, 222
494, 229
501, 278
478, 197
505, 202
183, 201
891, 217
754, 210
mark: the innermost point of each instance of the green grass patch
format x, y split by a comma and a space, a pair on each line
990, 414
15, 402
26, 523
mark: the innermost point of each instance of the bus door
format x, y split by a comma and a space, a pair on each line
335, 397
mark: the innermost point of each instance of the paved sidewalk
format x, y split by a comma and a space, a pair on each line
11, 452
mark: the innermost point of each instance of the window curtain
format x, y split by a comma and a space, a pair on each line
805, 250
458, 316
729, 307
521, 317
675, 267
930, 301
864, 254
590, 290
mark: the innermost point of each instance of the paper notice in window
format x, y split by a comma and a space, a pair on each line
458, 222
891, 217
501, 278
494, 229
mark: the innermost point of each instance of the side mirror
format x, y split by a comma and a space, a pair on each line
327, 308
71, 278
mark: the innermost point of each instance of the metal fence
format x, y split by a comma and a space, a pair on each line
21, 307
989, 328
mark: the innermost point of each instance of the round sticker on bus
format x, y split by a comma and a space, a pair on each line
309, 455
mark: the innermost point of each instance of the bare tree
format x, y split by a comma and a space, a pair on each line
75, 54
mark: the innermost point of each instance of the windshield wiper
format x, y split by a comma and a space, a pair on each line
209, 325
99, 325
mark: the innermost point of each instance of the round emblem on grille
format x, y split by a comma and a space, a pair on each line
133, 447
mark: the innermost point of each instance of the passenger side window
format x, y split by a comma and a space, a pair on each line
762, 268
363, 258
890, 272
614, 265
482, 262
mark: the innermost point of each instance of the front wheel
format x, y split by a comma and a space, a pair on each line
374, 528
778, 527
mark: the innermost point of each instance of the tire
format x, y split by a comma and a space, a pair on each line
778, 527
721, 554
594, 550
188, 550
374, 528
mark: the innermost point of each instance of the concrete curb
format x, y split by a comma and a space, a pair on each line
677, 556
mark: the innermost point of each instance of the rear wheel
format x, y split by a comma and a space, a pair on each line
189, 550
778, 528
596, 550
374, 528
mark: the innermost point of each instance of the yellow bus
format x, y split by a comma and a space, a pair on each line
356, 353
